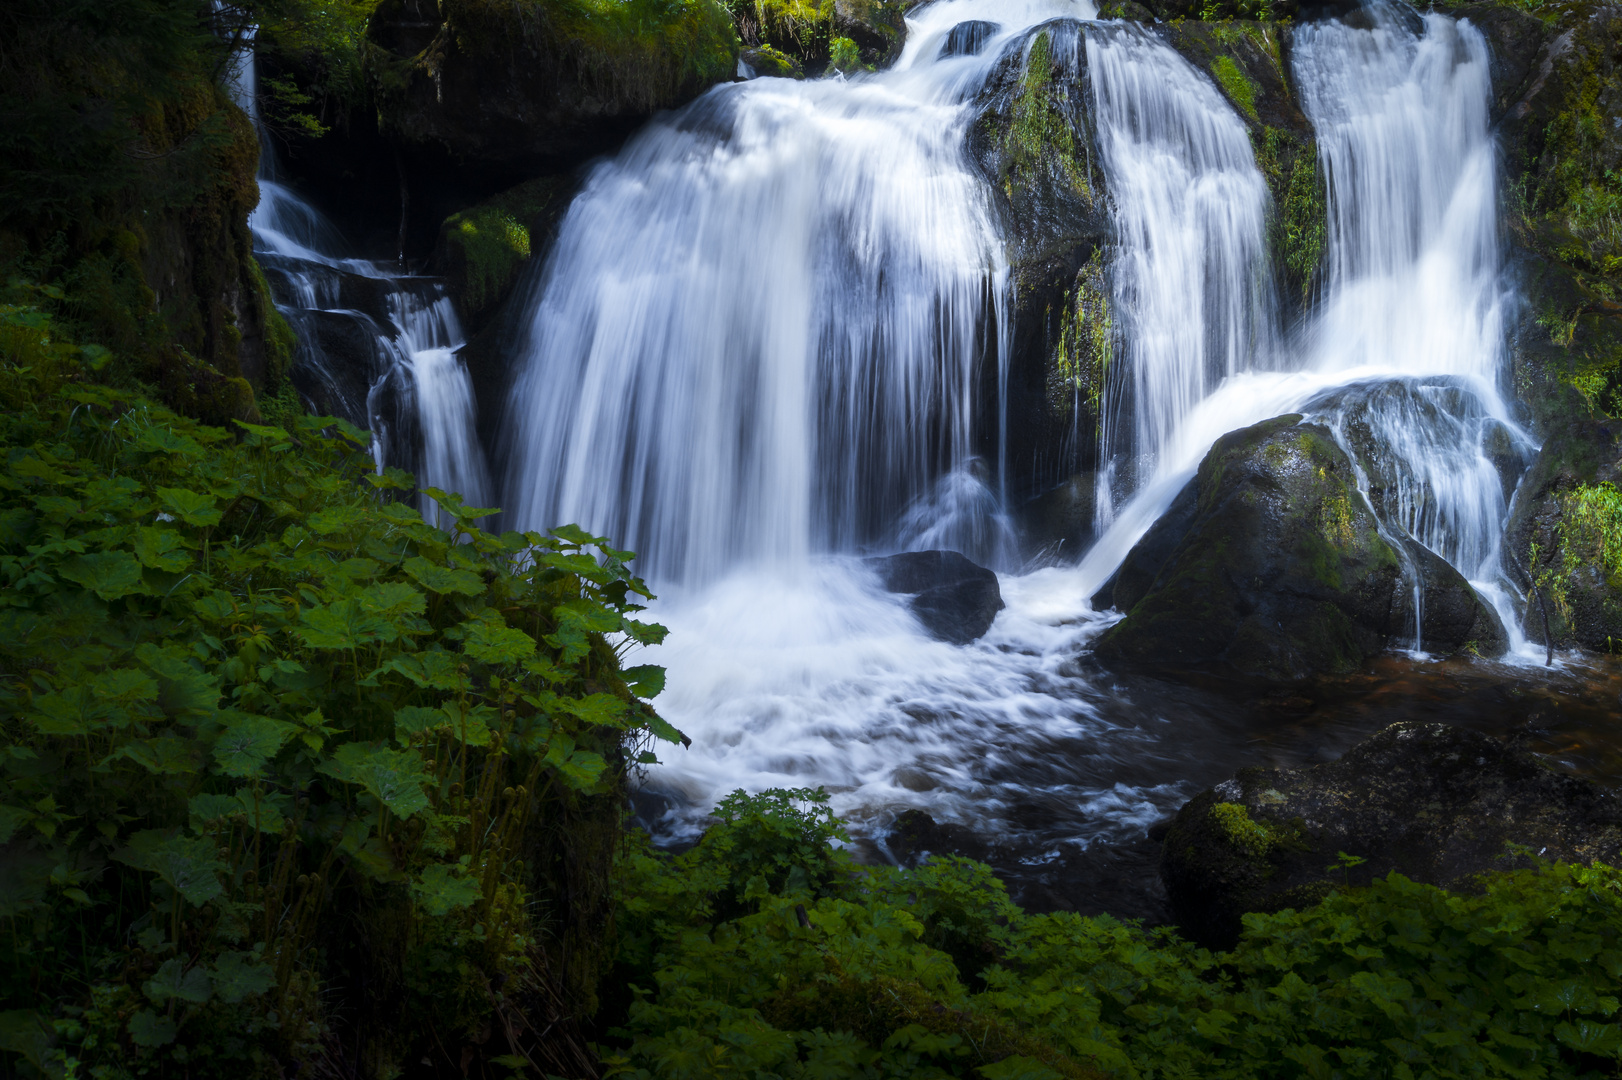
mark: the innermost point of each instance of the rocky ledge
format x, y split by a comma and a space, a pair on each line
955, 599
1435, 803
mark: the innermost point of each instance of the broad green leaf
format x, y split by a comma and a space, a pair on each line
163, 755
31, 1036
1016, 1067
394, 777
182, 689
431, 670
189, 866
74, 711
249, 742
663, 729
108, 574
441, 890
194, 508
174, 981
12, 818
237, 975
443, 579
598, 710
149, 1029
492, 643
646, 680
342, 625
260, 434
206, 809
161, 549
124, 685
392, 599
337, 519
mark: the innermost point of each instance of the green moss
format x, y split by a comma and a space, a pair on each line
485, 246
1080, 361
844, 56
1039, 136
1299, 227
1236, 826
1240, 90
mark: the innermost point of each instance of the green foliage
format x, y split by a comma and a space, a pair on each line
1039, 137
844, 56
1240, 90
248, 697
932, 972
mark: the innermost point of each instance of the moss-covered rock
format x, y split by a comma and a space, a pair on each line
483, 249
1033, 141
539, 83
1437, 804
1270, 566
763, 61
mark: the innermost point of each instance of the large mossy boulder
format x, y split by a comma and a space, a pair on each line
1270, 566
483, 249
539, 84
1033, 141
1435, 803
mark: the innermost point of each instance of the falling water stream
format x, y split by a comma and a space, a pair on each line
751, 360
752, 355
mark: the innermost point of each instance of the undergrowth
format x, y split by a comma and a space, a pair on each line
273, 749
763, 952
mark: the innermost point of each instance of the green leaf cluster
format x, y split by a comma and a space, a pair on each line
246, 691
843, 970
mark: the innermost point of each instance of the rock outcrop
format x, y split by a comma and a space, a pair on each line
1435, 803
537, 86
1270, 566
1033, 141
955, 599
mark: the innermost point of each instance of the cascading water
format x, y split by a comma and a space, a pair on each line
757, 335
751, 356
374, 346
1191, 275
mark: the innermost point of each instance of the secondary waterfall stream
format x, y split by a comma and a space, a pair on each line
752, 351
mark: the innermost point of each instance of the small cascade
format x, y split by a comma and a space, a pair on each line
1191, 277
375, 346
757, 335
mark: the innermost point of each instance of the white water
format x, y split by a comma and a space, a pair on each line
413, 340
1191, 277
757, 335
752, 353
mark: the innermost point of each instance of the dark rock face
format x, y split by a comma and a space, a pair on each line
1435, 803
1032, 140
954, 599
1553, 543
1271, 567
521, 85
878, 28
968, 38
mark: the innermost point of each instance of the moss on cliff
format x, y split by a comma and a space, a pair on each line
1080, 360
1039, 136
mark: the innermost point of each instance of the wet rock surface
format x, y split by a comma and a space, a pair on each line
1271, 567
955, 599
1435, 803
1554, 544
1032, 140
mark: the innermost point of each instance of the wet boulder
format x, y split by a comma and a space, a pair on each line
878, 28
955, 599
1435, 803
1271, 567
537, 86
968, 38
1033, 142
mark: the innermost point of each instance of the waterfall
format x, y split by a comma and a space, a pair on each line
1191, 276
375, 346
757, 335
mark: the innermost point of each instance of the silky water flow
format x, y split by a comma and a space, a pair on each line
752, 353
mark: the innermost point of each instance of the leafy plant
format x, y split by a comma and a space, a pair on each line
932, 972
262, 726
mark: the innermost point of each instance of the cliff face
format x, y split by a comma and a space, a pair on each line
126, 178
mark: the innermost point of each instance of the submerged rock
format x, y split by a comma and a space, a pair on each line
955, 599
1270, 566
1435, 803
